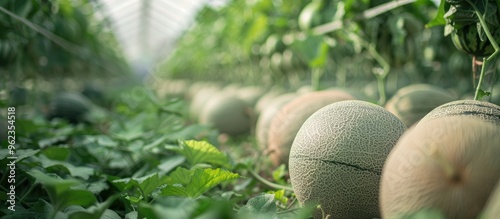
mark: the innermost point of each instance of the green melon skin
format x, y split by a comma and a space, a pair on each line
337, 157
227, 113
482, 110
264, 120
450, 163
200, 99
286, 123
492, 209
72, 107
413, 102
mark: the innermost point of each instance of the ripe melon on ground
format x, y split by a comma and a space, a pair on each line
337, 156
200, 99
492, 209
413, 102
478, 109
449, 161
267, 114
72, 107
286, 123
227, 113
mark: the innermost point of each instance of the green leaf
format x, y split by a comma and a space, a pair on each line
180, 176
262, 206
171, 163
21, 154
60, 191
197, 152
194, 183
482, 94
75, 171
98, 211
170, 207
279, 173
438, 20
56, 153
279, 195
146, 184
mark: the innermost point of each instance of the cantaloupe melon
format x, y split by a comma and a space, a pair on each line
473, 108
227, 113
264, 120
337, 156
413, 102
72, 107
449, 163
266, 99
200, 99
286, 123
492, 209
250, 94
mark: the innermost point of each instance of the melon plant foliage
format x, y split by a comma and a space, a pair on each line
141, 155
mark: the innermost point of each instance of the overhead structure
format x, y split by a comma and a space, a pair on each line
147, 29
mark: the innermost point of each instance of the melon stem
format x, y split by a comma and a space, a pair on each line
267, 183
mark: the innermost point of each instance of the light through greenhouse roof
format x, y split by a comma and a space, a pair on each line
147, 29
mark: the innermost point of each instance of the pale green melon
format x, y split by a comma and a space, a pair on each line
200, 99
266, 99
286, 123
449, 163
413, 102
264, 120
492, 209
471, 108
250, 94
337, 157
72, 107
227, 113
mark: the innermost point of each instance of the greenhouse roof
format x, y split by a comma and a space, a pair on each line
147, 29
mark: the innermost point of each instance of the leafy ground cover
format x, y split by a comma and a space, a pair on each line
144, 159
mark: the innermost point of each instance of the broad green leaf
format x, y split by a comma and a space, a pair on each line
104, 140
197, 152
262, 206
256, 30
205, 179
56, 153
279, 173
146, 184
171, 163
279, 195
79, 197
180, 176
149, 183
313, 50
75, 171
321, 57
41, 209
20, 154
438, 20
97, 211
171, 207
95, 187
51, 141
60, 191
482, 94
199, 182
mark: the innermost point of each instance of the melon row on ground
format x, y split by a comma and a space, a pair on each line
447, 162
